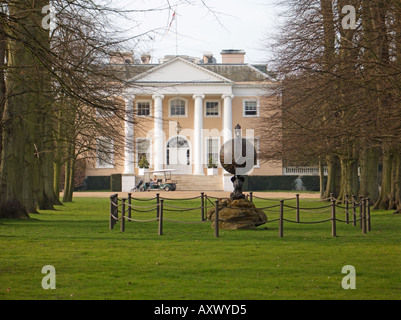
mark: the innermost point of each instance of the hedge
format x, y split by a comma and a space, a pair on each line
270, 183
312, 183
252, 183
97, 183
286, 183
116, 182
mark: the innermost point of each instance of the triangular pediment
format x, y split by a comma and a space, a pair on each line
179, 70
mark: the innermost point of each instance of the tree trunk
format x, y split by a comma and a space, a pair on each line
19, 171
385, 190
69, 180
395, 193
3, 54
369, 164
349, 177
24, 178
46, 195
60, 144
69, 174
57, 166
334, 177
321, 179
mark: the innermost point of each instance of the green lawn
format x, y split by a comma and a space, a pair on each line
188, 262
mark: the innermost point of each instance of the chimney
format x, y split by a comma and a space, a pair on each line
121, 57
208, 58
145, 58
233, 56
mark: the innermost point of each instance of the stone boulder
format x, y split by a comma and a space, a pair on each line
238, 214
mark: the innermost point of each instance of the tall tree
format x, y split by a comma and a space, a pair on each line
42, 69
19, 171
347, 77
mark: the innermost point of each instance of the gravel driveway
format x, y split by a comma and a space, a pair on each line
191, 194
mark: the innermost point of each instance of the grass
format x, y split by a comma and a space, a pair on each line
187, 262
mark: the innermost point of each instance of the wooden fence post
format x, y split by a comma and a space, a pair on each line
251, 196
297, 210
202, 206
360, 211
363, 218
123, 216
206, 205
160, 217
346, 209
157, 204
112, 221
129, 205
281, 220
333, 218
354, 210
216, 219
368, 215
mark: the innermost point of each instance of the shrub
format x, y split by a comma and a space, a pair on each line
143, 163
116, 182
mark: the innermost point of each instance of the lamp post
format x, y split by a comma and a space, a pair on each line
237, 131
237, 144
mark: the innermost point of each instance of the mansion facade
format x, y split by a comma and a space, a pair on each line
185, 109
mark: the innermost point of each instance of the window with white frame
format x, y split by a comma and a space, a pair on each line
178, 107
143, 148
212, 109
143, 108
104, 153
212, 150
251, 108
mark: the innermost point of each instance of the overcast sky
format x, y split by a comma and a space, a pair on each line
224, 24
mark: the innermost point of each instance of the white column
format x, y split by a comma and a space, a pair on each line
228, 118
227, 135
129, 136
198, 135
158, 148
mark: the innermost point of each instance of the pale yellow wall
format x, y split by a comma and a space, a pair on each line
214, 124
255, 123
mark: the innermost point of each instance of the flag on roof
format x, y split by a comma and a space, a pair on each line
172, 20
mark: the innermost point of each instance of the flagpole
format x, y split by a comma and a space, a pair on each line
176, 32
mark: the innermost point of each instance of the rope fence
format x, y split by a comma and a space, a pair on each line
122, 210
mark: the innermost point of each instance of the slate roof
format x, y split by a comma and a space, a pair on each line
237, 72
234, 72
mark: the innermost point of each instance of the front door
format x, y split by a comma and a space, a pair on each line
178, 155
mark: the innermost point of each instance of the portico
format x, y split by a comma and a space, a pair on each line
177, 100
194, 131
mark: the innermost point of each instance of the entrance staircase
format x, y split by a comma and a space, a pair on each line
198, 183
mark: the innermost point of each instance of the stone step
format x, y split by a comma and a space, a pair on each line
198, 183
